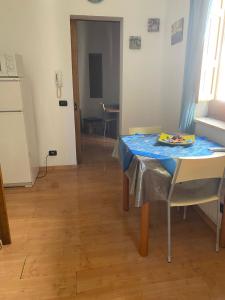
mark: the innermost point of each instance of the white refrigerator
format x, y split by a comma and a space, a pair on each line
18, 137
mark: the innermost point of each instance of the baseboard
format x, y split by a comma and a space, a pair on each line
205, 218
54, 168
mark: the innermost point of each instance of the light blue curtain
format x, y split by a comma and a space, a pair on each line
199, 12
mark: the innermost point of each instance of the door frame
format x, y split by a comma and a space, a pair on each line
75, 72
76, 93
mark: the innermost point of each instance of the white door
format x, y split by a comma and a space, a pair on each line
14, 156
10, 95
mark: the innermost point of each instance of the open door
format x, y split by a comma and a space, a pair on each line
76, 95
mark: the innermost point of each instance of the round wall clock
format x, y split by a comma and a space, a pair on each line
95, 1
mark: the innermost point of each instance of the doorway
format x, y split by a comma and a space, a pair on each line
96, 67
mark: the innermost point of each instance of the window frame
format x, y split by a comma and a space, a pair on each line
215, 66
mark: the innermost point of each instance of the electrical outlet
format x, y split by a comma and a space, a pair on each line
63, 103
52, 152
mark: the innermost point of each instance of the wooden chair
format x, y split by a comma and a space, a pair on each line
145, 130
195, 168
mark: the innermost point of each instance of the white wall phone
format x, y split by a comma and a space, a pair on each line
59, 83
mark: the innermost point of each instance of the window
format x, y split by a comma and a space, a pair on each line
95, 75
212, 85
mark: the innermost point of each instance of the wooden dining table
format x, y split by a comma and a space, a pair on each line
133, 156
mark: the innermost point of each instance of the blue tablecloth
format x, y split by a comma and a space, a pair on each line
147, 145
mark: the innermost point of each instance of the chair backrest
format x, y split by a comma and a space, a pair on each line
103, 106
145, 130
194, 168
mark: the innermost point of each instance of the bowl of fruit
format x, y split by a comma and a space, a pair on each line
176, 139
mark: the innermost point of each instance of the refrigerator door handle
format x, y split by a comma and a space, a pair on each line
9, 111
8, 78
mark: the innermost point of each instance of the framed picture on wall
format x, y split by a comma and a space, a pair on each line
153, 25
135, 42
177, 32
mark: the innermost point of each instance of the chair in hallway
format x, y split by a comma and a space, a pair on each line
108, 116
192, 169
145, 130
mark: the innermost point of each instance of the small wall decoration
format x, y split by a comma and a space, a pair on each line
177, 32
153, 25
135, 42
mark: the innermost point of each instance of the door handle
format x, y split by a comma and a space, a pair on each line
75, 106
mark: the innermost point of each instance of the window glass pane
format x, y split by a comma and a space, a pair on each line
210, 53
220, 95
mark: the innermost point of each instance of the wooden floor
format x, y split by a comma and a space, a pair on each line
71, 240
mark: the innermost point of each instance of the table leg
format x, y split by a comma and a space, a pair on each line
125, 192
222, 231
144, 234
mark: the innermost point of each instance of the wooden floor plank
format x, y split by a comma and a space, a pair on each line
182, 289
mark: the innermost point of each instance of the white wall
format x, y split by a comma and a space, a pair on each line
40, 31
31, 28
99, 37
174, 60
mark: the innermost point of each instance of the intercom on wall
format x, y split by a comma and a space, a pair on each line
59, 83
